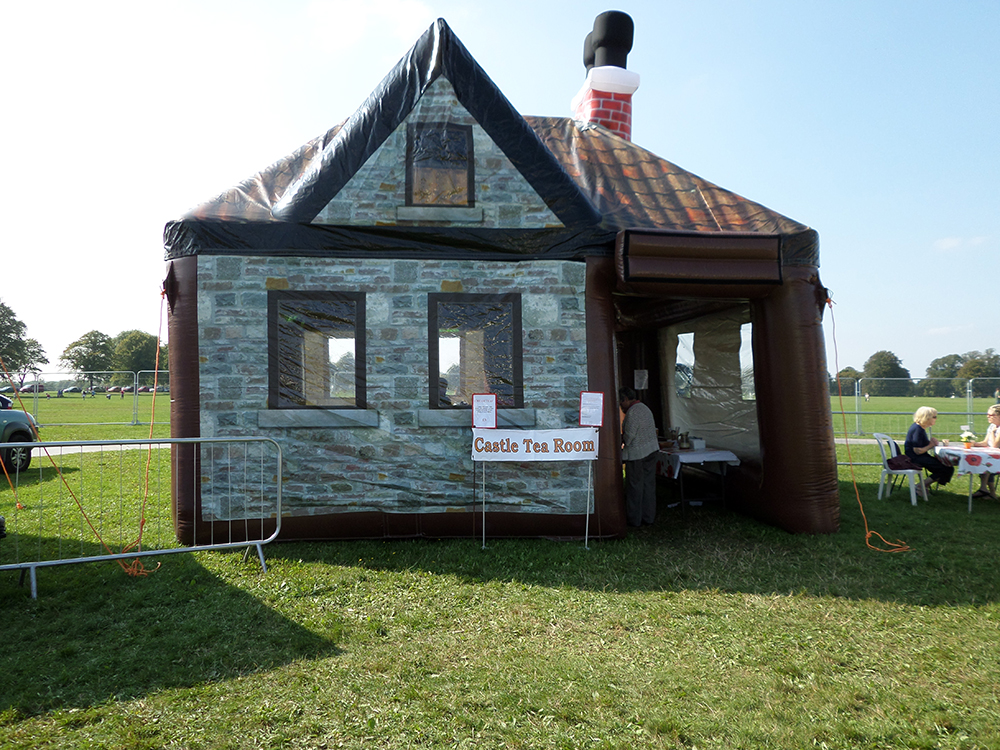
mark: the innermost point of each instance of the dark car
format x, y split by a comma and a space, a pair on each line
15, 427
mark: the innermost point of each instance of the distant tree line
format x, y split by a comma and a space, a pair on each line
884, 375
129, 351
21, 355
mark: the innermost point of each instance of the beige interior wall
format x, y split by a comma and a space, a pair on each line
715, 408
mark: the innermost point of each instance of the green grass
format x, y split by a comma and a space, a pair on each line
893, 415
75, 418
85, 505
707, 630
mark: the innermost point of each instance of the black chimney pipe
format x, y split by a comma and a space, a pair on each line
610, 41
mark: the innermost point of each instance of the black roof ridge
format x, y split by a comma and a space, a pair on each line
438, 52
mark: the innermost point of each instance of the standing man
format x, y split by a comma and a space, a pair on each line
639, 447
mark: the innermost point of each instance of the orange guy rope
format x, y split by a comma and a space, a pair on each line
898, 545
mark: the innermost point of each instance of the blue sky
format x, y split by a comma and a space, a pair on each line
873, 122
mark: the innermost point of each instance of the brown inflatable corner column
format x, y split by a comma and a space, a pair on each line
182, 324
799, 490
609, 492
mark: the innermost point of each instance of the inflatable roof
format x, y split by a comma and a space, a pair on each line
594, 181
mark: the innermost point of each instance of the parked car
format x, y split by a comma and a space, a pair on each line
71, 389
7, 389
33, 388
115, 389
16, 427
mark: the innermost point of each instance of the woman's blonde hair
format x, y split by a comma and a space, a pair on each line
994, 409
924, 415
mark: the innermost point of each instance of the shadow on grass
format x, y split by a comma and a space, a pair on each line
950, 558
96, 634
34, 476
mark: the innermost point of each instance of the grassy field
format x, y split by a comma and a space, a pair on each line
894, 415
707, 630
96, 510
73, 417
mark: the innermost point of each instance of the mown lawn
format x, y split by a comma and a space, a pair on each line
706, 630
73, 417
893, 415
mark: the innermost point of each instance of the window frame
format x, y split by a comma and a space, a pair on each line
513, 299
274, 299
412, 130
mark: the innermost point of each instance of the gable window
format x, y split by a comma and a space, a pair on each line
316, 350
474, 347
439, 165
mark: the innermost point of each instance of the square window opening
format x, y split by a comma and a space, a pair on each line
440, 165
474, 346
316, 350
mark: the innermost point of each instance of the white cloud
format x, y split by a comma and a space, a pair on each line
949, 330
948, 243
961, 243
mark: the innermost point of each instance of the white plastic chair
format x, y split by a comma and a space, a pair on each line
887, 447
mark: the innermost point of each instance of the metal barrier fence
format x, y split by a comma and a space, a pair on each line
887, 405
91, 501
97, 397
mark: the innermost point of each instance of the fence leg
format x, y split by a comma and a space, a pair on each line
260, 555
34, 582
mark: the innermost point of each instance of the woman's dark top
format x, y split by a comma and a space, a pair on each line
916, 437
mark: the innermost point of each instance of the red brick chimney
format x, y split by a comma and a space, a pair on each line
606, 96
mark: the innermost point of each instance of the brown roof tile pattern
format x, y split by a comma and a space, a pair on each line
633, 188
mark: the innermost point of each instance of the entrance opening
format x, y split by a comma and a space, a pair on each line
696, 363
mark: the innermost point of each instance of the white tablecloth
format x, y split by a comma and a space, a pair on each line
668, 463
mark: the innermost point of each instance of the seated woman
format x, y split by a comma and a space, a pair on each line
988, 482
918, 445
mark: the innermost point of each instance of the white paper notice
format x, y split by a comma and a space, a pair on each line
591, 409
484, 411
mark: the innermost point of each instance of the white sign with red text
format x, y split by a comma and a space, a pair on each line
484, 410
570, 444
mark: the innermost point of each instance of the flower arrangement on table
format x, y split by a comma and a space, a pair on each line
967, 437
